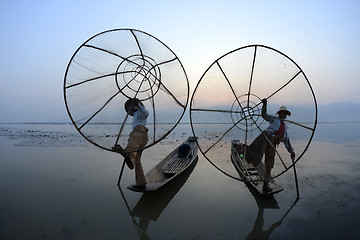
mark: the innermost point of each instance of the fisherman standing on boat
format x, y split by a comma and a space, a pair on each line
268, 140
138, 139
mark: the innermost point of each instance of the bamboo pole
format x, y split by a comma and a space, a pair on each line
121, 173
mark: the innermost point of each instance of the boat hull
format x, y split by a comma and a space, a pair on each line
170, 167
250, 174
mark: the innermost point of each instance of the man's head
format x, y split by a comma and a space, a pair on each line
130, 105
283, 112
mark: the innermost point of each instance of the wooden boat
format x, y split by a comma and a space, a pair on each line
170, 167
250, 174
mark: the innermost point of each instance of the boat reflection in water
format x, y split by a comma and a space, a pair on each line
152, 204
264, 202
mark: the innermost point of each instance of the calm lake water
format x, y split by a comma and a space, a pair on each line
56, 185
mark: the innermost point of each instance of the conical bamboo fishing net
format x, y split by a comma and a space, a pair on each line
226, 104
113, 66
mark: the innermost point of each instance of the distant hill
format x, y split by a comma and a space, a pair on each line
334, 112
339, 112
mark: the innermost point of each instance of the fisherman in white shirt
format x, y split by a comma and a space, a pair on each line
138, 138
268, 140
140, 115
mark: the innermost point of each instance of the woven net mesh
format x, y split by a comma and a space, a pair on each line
226, 104
113, 66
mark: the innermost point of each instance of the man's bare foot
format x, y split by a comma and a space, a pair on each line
117, 148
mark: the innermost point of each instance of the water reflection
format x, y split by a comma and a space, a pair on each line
264, 202
152, 204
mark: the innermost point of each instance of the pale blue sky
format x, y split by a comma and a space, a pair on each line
38, 39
